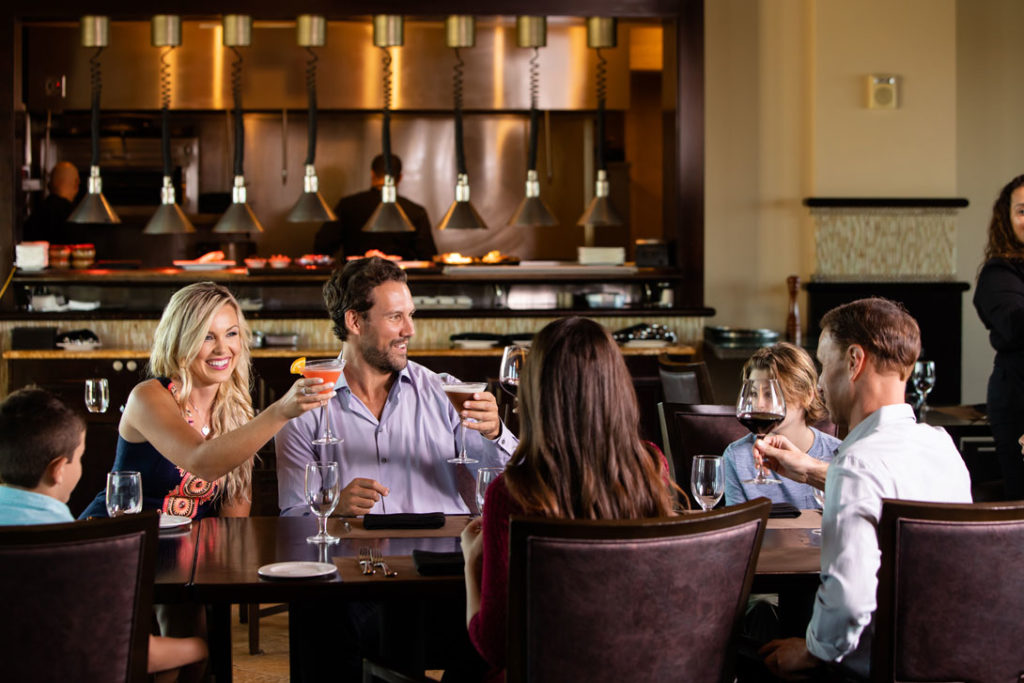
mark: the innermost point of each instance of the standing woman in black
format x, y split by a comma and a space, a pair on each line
999, 299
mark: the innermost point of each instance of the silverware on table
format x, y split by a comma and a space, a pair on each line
378, 561
366, 560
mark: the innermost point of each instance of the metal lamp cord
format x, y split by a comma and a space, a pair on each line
460, 153
531, 163
96, 82
311, 90
236, 94
602, 89
165, 105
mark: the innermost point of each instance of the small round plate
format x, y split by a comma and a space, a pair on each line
174, 521
296, 570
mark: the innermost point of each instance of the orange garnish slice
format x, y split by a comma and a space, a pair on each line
298, 365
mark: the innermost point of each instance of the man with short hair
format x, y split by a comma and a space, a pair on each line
345, 237
49, 221
398, 426
867, 350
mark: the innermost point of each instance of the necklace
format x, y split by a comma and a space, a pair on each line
205, 429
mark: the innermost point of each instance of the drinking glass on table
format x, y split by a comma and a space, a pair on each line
124, 493
819, 498
707, 480
512, 360
484, 477
323, 488
97, 394
760, 408
458, 393
923, 378
329, 370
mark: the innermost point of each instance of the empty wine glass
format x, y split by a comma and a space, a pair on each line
760, 407
323, 487
512, 360
924, 380
97, 394
484, 477
124, 493
707, 480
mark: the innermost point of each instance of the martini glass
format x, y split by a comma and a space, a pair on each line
329, 370
458, 393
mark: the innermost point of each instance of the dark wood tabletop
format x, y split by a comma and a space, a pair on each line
175, 561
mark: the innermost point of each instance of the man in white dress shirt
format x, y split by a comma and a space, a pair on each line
867, 350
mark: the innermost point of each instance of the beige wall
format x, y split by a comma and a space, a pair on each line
786, 119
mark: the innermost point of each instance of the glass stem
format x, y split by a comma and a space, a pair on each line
325, 414
323, 525
463, 453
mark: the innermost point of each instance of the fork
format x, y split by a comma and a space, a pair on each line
366, 560
378, 561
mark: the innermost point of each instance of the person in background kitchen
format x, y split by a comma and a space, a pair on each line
345, 237
399, 429
49, 222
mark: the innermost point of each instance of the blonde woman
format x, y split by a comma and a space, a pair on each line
794, 369
190, 430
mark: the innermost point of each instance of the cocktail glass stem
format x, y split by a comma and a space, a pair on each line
327, 436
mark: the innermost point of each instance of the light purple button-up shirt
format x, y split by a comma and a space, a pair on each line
406, 450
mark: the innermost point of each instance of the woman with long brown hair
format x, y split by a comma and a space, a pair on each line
580, 456
999, 300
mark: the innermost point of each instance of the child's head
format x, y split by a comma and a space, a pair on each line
41, 442
795, 370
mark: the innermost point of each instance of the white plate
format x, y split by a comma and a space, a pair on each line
296, 570
174, 521
646, 343
204, 265
79, 346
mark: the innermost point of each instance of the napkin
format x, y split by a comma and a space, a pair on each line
404, 520
430, 563
784, 510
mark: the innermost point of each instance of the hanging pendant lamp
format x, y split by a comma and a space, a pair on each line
600, 212
94, 207
460, 31
532, 211
239, 217
165, 31
311, 30
388, 216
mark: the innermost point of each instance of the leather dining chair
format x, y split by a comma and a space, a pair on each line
950, 596
78, 599
596, 600
685, 382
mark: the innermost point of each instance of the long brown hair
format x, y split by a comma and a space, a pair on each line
580, 454
1002, 242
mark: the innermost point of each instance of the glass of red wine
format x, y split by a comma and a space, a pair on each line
511, 368
760, 408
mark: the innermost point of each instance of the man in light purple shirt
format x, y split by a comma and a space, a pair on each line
398, 427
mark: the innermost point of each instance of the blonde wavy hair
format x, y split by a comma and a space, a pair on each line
179, 336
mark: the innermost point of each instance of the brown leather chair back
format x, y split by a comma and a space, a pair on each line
78, 599
606, 600
687, 382
950, 596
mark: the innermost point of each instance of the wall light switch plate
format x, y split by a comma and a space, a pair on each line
883, 91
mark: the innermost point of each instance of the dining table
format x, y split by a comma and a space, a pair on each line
222, 557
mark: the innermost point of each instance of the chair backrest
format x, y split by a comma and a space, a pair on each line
78, 599
950, 596
685, 382
695, 429
606, 601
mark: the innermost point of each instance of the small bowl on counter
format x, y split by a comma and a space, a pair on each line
254, 262
279, 261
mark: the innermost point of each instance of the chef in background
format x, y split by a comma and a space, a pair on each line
345, 237
49, 222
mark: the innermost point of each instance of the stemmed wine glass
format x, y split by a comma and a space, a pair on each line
924, 380
323, 487
511, 368
819, 498
707, 480
97, 394
124, 493
760, 407
484, 477
458, 393
329, 370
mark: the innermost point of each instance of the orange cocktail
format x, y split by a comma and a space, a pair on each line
329, 370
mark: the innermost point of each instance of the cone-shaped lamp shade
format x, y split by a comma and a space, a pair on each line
94, 207
239, 217
461, 214
599, 211
389, 216
532, 211
311, 207
169, 218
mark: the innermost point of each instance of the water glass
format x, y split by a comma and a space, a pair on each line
97, 394
323, 488
819, 498
124, 493
484, 477
707, 480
